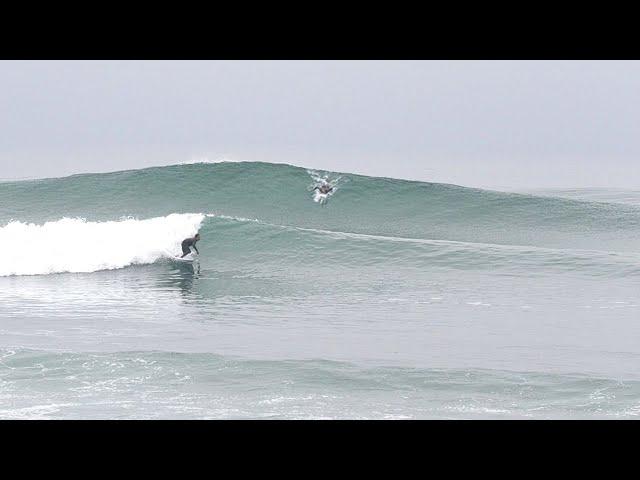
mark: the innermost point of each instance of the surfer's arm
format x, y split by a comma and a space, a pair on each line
196, 249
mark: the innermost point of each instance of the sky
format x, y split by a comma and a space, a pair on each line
490, 124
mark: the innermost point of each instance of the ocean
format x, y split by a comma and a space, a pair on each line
386, 299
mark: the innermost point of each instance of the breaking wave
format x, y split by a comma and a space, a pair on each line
78, 245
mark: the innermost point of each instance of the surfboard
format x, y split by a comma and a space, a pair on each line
188, 259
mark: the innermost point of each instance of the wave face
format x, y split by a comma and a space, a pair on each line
75, 224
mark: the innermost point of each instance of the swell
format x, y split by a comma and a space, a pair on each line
252, 242
281, 194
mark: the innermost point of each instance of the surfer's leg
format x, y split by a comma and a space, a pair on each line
185, 251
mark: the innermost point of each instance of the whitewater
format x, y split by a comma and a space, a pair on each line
75, 245
386, 298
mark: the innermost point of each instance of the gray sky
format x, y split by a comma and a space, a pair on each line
496, 124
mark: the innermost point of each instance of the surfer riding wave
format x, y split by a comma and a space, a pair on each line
187, 243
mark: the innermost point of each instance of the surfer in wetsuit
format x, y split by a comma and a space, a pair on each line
189, 242
324, 189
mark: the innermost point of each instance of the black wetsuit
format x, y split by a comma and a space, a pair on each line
186, 243
324, 189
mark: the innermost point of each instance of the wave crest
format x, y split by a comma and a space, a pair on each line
76, 245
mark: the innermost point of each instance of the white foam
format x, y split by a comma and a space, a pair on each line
75, 245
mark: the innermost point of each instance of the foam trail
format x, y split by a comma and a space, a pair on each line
75, 245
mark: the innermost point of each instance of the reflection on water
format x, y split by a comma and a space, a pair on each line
181, 278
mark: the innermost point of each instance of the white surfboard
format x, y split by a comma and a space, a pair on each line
190, 258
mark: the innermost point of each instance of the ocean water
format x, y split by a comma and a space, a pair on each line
387, 299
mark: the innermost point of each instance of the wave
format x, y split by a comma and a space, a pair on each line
167, 384
465, 227
78, 245
255, 242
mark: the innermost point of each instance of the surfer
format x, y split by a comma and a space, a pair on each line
324, 189
189, 242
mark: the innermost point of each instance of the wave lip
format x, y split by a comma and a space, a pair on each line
76, 245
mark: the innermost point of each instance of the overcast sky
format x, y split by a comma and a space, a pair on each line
496, 124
